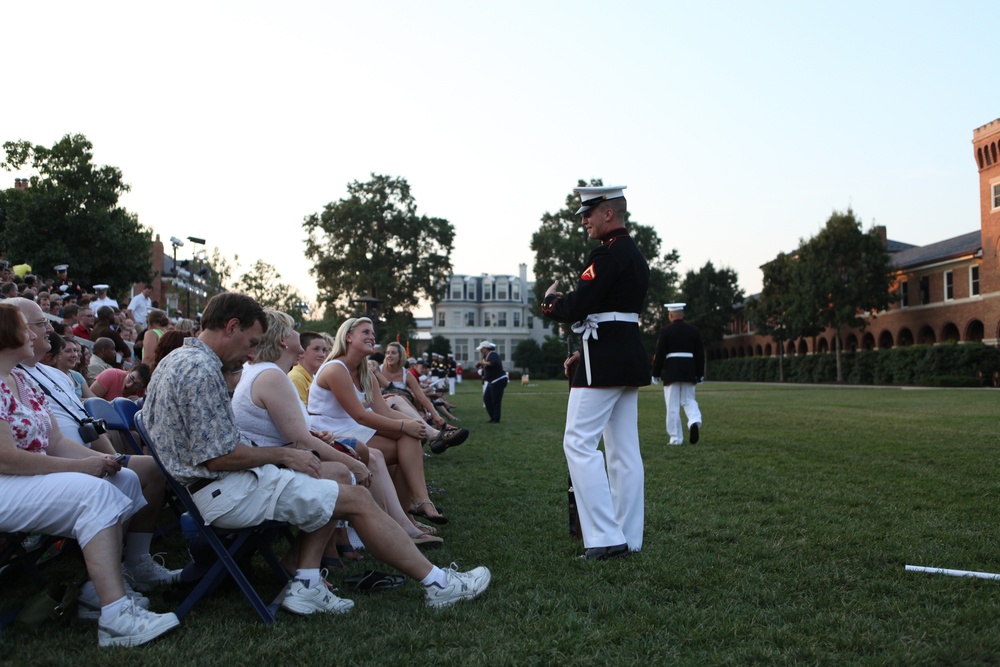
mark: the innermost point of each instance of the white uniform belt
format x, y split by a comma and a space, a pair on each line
687, 355
588, 327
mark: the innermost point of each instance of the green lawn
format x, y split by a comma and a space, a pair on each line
779, 539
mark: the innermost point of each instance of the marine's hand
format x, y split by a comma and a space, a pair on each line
570, 360
552, 289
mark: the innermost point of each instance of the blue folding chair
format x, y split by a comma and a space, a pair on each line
244, 543
98, 408
117, 421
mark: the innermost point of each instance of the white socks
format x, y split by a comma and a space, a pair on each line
436, 577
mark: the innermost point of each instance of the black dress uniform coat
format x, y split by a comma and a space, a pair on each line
615, 279
679, 336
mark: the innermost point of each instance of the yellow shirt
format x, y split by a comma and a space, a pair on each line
301, 379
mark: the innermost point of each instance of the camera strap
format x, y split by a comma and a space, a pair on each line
48, 393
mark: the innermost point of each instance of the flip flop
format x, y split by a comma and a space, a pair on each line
427, 541
373, 581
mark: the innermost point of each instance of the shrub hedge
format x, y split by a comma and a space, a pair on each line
944, 365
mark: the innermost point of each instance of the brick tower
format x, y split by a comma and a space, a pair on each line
985, 142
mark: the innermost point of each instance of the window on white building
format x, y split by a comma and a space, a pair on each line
440, 318
516, 289
531, 321
502, 350
487, 290
517, 319
502, 318
486, 319
461, 348
470, 318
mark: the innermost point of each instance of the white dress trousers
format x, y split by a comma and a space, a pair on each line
609, 496
680, 395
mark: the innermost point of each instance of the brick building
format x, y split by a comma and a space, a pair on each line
947, 291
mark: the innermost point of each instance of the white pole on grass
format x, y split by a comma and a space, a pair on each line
952, 573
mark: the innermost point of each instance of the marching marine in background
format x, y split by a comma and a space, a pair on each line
680, 362
604, 393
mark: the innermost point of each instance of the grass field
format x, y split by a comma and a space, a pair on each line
780, 539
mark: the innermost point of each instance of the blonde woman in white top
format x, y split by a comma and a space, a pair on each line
345, 391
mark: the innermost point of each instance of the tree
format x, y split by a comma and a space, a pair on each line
561, 247
777, 312
263, 283
529, 356
710, 294
373, 244
70, 213
844, 276
439, 345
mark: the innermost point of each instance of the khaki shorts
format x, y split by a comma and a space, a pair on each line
249, 497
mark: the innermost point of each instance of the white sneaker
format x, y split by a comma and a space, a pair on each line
305, 601
461, 586
89, 605
148, 574
133, 626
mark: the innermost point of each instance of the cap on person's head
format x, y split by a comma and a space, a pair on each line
592, 197
100, 288
61, 268
486, 345
674, 307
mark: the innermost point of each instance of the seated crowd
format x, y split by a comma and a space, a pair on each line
259, 422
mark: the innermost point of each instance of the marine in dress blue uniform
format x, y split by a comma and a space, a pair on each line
603, 398
680, 362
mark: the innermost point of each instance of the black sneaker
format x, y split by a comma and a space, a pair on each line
694, 433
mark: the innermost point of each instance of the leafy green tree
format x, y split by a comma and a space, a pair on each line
844, 276
777, 312
555, 349
439, 344
710, 294
529, 356
373, 244
263, 283
561, 247
70, 213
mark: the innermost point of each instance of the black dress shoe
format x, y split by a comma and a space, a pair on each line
606, 553
694, 433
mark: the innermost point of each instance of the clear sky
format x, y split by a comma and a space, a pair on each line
737, 126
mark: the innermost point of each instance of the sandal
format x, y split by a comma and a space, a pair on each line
373, 581
426, 541
427, 530
348, 552
418, 510
449, 437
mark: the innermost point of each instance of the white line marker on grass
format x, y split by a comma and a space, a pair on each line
952, 573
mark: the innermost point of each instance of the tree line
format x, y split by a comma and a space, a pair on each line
372, 252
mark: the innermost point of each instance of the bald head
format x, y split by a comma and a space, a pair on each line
105, 349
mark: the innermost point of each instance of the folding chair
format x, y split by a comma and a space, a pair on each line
244, 544
98, 408
13, 556
121, 419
